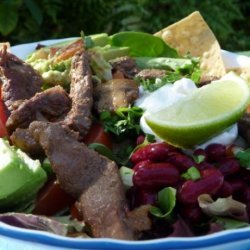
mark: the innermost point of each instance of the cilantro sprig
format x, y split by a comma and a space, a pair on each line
124, 121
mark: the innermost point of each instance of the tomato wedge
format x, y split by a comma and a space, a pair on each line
98, 135
75, 213
52, 199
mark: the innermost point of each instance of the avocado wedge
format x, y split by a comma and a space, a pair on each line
20, 176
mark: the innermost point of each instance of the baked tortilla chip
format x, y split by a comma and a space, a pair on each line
5, 44
193, 35
243, 72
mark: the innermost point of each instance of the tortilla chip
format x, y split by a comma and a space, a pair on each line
5, 44
242, 72
193, 35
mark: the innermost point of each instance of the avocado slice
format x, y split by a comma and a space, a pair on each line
20, 176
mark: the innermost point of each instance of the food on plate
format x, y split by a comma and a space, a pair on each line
14, 77
130, 136
207, 111
21, 177
193, 35
243, 72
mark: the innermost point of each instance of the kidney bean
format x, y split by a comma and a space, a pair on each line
155, 152
204, 165
140, 139
144, 197
156, 175
192, 214
245, 198
215, 152
245, 175
181, 161
138, 196
237, 185
225, 190
229, 166
141, 164
246, 195
210, 183
200, 151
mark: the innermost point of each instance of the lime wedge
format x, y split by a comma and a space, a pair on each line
204, 113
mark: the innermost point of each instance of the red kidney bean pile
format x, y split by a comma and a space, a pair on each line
160, 165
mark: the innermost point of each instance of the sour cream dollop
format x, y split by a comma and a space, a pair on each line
170, 94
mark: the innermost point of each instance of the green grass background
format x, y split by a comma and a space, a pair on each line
24, 21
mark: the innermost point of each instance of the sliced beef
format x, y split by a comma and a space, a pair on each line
50, 105
139, 218
19, 80
23, 139
126, 65
115, 93
86, 175
81, 92
151, 74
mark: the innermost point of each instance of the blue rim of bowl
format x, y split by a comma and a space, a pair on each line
216, 239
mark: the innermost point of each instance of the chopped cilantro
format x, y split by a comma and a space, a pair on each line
124, 121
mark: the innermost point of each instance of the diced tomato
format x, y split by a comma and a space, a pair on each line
3, 116
75, 213
52, 199
98, 135
3, 131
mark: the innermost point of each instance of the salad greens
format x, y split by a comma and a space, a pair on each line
192, 174
103, 150
58, 225
123, 124
177, 69
228, 223
126, 176
166, 202
244, 158
225, 207
143, 44
123, 121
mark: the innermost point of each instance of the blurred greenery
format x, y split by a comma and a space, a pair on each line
24, 21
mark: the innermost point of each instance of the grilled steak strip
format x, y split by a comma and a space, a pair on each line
23, 139
126, 65
19, 80
81, 92
86, 175
50, 105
